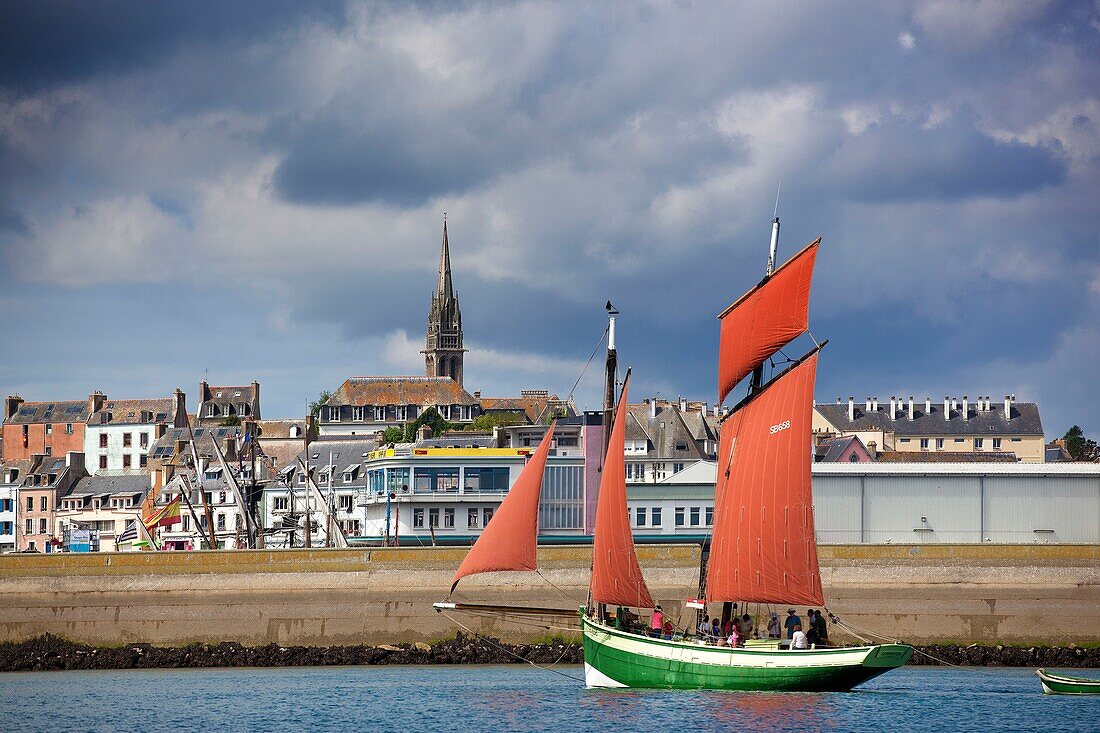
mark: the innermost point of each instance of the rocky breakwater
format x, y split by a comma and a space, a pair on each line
48, 652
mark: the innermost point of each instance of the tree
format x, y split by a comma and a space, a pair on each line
231, 420
315, 406
432, 419
393, 435
1080, 447
490, 420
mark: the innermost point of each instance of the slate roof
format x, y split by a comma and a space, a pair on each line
164, 448
533, 406
111, 484
1025, 419
672, 433
74, 411
376, 391
345, 452
279, 429
24, 466
830, 451
128, 412
946, 457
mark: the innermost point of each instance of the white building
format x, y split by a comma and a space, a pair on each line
102, 505
120, 433
12, 474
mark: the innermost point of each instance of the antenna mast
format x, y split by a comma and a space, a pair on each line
775, 232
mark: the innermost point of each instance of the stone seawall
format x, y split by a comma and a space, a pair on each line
1019, 594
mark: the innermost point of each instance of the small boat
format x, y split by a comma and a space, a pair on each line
1056, 684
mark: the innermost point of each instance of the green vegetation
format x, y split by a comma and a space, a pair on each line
231, 420
490, 420
429, 417
1079, 446
315, 406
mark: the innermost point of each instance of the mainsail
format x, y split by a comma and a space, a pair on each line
763, 548
510, 540
765, 319
616, 577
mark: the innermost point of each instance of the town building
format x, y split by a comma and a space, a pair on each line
12, 475
50, 478
366, 405
45, 428
120, 433
217, 405
848, 449
664, 438
96, 509
952, 426
533, 406
280, 441
443, 350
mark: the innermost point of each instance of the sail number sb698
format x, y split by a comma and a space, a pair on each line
781, 426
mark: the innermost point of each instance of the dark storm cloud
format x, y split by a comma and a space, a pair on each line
45, 43
903, 161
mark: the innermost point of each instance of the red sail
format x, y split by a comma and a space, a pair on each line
765, 319
763, 549
616, 577
510, 539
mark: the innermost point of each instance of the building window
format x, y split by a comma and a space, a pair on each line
472, 517
143, 461
236, 521
429, 480
30, 503
103, 440
354, 528
433, 517
126, 461
68, 428
679, 516
996, 444
211, 410
221, 522
639, 517
903, 440
709, 516
127, 440
103, 462
49, 450
568, 441
924, 443
448, 518
186, 523
143, 440
635, 471
677, 467
486, 515
44, 503
379, 413
655, 516
221, 497
695, 516
279, 504
485, 479
29, 528
979, 443
960, 440
402, 411
939, 443
658, 471
418, 517
42, 526
49, 429
357, 414
347, 503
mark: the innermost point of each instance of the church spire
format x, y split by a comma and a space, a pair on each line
443, 350
444, 290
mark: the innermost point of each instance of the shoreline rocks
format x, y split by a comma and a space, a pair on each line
54, 653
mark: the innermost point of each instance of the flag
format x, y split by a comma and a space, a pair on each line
167, 515
130, 534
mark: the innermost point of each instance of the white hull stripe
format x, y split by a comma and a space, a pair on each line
595, 678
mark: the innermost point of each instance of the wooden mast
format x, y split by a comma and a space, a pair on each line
611, 365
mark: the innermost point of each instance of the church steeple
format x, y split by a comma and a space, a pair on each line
443, 351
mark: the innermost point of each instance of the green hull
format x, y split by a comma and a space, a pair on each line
1060, 685
617, 659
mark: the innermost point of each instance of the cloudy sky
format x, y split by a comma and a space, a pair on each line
254, 190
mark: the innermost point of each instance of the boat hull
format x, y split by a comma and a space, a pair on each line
614, 658
1061, 685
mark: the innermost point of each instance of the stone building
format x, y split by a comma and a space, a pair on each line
443, 350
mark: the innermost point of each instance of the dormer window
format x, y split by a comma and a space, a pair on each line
379, 413
104, 418
146, 416
242, 408
358, 414
402, 411
295, 431
211, 410
333, 414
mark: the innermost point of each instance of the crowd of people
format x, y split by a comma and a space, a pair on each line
736, 630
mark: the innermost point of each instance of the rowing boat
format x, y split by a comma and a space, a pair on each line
1056, 684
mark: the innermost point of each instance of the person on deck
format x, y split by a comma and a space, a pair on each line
715, 629
798, 638
792, 621
745, 627
704, 627
734, 639
657, 622
822, 628
667, 630
773, 626
811, 632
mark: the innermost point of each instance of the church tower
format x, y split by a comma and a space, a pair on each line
443, 346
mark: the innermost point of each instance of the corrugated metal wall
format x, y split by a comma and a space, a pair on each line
956, 509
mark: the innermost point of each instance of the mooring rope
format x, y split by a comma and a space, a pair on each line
511, 653
851, 629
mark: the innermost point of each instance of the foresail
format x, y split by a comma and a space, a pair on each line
616, 577
765, 319
510, 540
763, 548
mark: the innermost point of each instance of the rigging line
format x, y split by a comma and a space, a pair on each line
509, 652
853, 632
557, 587
587, 363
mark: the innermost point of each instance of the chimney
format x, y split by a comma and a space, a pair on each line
874, 404
851, 409
180, 447
966, 408
75, 460
683, 404
159, 431
927, 405
893, 407
703, 410
230, 449
717, 410
255, 400
424, 432
946, 407
867, 406
11, 405
872, 447
1008, 407
179, 420
911, 414
653, 407
477, 394
95, 402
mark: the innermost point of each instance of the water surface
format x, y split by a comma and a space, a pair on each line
492, 698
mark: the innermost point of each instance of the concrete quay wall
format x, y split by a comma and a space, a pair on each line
921, 593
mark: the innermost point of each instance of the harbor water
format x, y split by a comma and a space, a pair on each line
491, 698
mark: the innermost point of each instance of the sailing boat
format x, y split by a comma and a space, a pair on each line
763, 548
